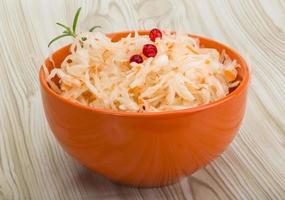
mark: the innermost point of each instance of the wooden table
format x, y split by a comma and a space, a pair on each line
34, 166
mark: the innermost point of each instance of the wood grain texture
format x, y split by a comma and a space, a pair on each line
32, 164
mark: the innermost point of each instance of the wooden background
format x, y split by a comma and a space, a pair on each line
32, 164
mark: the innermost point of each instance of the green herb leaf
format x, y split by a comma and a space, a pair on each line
64, 26
75, 20
57, 38
68, 31
93, 28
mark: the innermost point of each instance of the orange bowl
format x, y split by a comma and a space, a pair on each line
146, 149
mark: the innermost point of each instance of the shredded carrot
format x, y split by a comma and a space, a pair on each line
229, 75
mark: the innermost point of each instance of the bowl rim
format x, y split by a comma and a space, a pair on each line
242, 86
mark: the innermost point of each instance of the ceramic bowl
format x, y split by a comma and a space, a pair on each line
146, 149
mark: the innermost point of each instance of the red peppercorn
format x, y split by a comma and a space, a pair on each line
155, 33
149, 50
136, 58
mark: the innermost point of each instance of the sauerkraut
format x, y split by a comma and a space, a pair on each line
182, 75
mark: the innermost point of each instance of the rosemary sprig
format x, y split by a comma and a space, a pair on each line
68, 31
57, 38
93, 28
75, 20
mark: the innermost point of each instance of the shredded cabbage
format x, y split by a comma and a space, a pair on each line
182, 75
